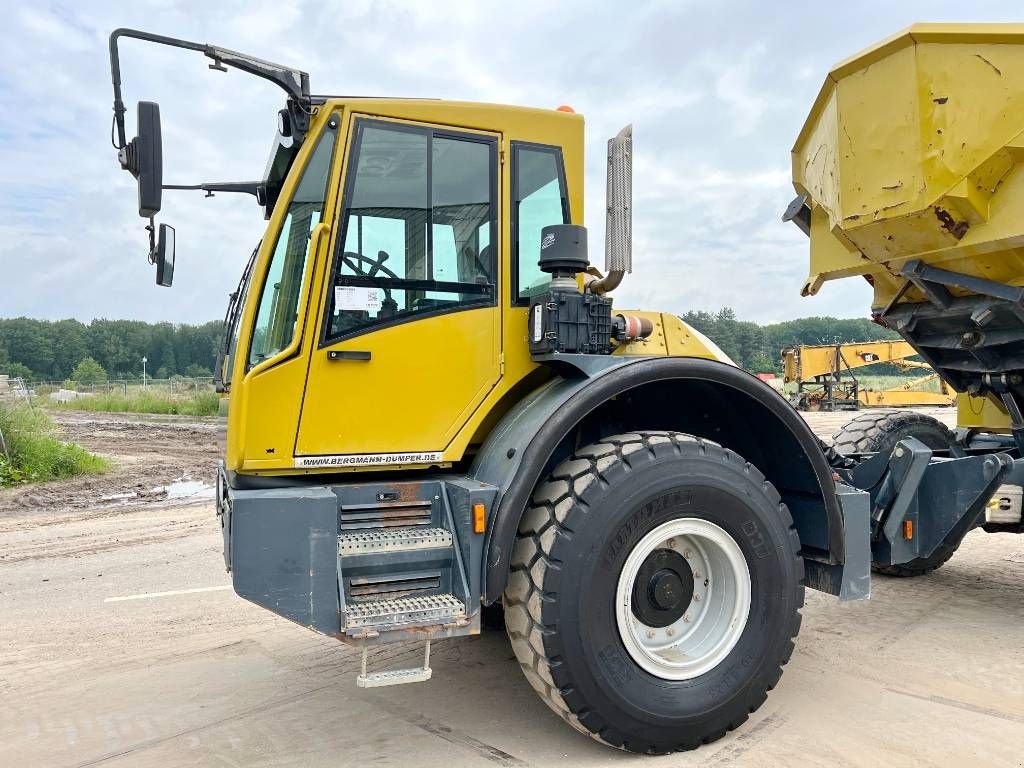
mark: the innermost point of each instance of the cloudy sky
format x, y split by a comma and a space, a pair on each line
716, 93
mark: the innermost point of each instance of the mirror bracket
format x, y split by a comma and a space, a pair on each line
151, 229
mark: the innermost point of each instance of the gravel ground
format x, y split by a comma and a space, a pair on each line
121, 643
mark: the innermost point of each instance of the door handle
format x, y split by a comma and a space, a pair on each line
347, 354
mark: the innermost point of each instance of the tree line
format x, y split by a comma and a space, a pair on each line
757, 348
45, 350
52, 350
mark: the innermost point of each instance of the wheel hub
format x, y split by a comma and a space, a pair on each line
683, 598
663, 588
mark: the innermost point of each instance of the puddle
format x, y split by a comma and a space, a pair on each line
183, 489
189, 489
119, 496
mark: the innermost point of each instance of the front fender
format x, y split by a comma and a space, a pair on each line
516, 454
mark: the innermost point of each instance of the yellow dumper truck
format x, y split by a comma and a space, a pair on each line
435, 405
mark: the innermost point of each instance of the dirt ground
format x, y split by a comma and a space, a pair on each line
121, 643
156, 460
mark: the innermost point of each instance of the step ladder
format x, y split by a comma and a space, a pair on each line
402, 575
395, 676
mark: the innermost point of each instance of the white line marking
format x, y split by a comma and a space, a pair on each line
147, 595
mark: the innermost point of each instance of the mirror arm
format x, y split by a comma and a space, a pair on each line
254, 188
294, 82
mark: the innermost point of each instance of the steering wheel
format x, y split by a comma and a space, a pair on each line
354, 261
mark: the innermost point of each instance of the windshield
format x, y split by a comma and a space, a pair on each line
229, 344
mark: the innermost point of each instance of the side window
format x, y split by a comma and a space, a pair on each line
538, 199
417, 225
277, 313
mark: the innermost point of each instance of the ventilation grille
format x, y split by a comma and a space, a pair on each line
385, 514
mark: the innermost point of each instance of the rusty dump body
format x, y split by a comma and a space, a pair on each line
909, 171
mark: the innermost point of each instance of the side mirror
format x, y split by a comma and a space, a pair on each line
145, 159
165, 256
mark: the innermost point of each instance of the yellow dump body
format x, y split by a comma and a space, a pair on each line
912, 152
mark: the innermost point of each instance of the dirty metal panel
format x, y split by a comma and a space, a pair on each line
283, 545
850, 580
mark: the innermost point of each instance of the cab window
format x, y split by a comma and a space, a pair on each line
538, 199
277, 313
418, 224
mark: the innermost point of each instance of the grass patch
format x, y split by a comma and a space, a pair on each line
35, 453
148, 401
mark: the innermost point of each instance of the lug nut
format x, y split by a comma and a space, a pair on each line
670, 632
650, 634
696, 598
686, 618
687, 554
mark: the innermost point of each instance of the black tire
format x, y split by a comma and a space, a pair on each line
572, 543
878, 433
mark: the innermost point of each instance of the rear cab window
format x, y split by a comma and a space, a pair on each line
539, 198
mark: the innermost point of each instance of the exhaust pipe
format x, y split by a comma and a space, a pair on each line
618, 233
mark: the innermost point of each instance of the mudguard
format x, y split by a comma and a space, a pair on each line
517, 452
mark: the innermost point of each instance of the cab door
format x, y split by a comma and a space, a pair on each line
410, 338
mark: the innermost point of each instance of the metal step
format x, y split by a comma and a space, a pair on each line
381, 540
395, 676
385, 614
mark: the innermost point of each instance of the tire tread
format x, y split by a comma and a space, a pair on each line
873, 431
559, 501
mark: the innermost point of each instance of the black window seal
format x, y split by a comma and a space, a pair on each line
555, 150
431, 131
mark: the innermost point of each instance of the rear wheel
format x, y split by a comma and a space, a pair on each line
655, 591
879, 433
876, 432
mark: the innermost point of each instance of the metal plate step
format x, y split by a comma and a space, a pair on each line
393, 677
382, 614
381, 540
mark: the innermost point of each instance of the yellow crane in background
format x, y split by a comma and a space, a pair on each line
826, 382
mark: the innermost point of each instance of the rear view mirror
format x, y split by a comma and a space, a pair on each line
147, 163
165, 256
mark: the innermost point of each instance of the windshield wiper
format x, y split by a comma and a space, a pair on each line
230, 320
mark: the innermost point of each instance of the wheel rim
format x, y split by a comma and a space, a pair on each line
699, 627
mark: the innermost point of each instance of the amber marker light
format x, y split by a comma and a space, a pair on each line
908, 529
479, 518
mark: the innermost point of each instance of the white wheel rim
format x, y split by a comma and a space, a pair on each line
715, 618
